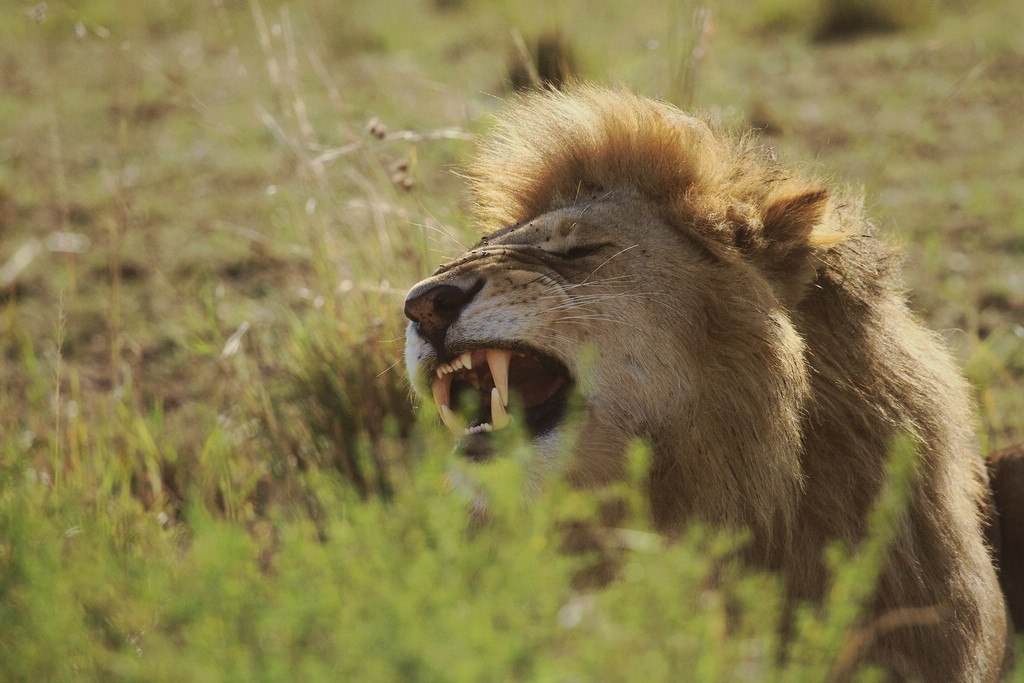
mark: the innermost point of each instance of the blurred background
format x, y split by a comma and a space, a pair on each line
211, 210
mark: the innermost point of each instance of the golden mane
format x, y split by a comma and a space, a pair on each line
551, 149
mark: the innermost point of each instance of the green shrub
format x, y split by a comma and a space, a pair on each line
410, 588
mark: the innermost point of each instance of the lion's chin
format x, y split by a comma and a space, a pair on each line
473, 393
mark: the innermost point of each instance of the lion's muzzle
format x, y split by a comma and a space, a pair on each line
476, 372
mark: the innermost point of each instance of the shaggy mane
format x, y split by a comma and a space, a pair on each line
551, 149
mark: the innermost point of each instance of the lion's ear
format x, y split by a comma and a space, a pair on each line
796, 220
793, 226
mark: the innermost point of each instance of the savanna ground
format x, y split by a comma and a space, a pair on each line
210, 212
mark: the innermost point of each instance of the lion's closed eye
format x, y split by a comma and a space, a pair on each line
576, 251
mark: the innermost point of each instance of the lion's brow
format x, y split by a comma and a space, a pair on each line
499, 233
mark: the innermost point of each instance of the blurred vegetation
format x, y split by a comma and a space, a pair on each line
210, 212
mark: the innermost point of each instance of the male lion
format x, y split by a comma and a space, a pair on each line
745, 322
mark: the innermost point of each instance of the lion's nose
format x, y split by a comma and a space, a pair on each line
435, 308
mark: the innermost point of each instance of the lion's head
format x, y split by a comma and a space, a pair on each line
650, 264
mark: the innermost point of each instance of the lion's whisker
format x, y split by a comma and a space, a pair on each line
580, 299
590, 283
594, 317
439, 229
605, 262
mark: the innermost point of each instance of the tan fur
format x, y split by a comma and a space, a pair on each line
750, 327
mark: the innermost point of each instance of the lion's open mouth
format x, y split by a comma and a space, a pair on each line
489, 379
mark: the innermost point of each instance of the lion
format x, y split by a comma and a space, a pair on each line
745, 322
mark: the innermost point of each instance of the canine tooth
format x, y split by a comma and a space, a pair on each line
456, 425
441, 388
499, 418
498, 362
467, 360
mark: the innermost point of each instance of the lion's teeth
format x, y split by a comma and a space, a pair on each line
498, 362
465, 361
441, 389
499, 418
455, 424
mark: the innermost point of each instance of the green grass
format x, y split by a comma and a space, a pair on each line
210, 464
407, 588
